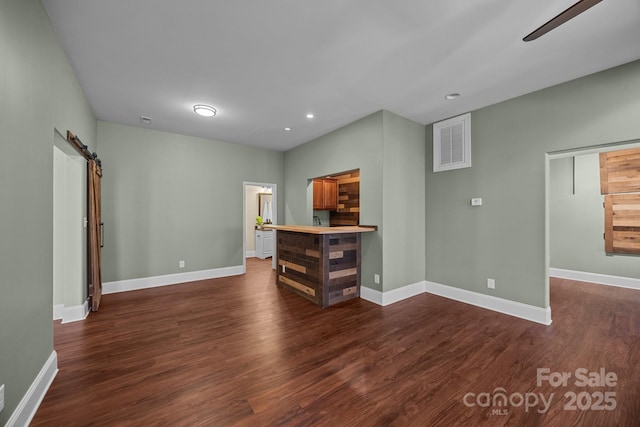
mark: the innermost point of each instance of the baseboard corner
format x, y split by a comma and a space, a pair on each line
75, 313
371, 295
392, 296
58, 310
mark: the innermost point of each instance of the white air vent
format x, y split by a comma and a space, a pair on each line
452, 143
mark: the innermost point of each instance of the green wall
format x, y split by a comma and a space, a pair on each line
355, 146
389, 151
69, 233
38, 92
505, 238
403, 191
577, 220
168, 197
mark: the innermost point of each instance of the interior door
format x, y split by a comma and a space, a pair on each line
94, 224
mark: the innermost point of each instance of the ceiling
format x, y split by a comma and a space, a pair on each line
265, 64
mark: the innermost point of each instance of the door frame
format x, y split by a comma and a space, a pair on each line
71, 291
94, 223
274, 204
549, 157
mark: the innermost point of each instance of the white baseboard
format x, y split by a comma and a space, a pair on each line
30, 402
57, 311
250, 254
371, 295
169, 279
501, 305
393, 296
75, 313
601, 279
402, 293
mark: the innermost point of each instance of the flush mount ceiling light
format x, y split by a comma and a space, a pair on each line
310, 116
452, 96
287, 129
204, 110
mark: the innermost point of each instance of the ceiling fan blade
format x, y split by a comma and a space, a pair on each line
563, 17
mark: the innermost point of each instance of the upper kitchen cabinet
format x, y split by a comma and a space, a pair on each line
325, 194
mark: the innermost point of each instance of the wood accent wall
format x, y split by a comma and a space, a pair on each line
348, 212
620, 185
323, 268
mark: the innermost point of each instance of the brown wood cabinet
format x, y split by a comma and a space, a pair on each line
325, 194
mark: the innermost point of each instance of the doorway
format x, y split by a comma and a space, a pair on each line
69, 233
254, 198
575, 221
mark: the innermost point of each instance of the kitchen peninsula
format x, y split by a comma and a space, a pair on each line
321, 264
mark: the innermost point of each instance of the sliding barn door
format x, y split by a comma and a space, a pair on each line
620, 185
94, 214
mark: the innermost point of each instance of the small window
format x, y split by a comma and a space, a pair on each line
452, 143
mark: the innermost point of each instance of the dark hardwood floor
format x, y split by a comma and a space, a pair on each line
240, 351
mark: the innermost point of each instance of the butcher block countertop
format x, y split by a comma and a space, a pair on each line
310, 229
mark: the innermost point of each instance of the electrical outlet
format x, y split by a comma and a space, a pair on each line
491, 284
181, 264
376, 279
1, 397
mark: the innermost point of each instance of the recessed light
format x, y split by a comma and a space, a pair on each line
204, 110
287, 129
452, 96
310, 116
146, 120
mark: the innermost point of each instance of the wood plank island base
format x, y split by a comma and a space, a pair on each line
321, 264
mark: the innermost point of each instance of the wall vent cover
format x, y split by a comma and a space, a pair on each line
452, 143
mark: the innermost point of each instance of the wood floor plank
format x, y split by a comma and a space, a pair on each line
241, 351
